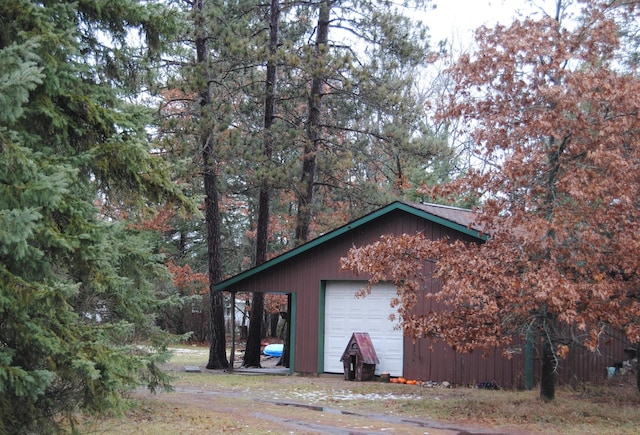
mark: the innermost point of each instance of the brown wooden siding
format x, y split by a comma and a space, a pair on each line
582, 365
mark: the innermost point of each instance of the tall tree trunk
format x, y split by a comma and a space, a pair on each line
305, 196
274, 319
549, 358
284, 359
254, 338
217, 349
637, 347
548, 372
252, 352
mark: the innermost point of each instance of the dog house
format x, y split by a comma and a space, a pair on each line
359, 358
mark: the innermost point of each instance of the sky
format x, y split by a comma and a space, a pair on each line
456, 19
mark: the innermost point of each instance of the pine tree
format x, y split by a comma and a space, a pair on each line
77, 284
254, 338
366, 121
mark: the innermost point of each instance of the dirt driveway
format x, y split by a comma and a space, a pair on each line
258, 413
257, 402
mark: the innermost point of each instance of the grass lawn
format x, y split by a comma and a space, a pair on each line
217, 402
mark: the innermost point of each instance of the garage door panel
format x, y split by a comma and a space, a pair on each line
346, 314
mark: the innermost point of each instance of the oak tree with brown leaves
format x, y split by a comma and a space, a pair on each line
548, 105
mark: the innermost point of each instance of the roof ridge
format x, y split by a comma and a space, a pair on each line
433, 204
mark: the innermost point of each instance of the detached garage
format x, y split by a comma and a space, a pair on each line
324, 312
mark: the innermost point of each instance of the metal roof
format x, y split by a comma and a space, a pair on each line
459, 219
365, 348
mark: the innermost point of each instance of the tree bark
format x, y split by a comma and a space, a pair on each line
273, 324
637, 347
253, 349
284, 359
217, 349
305, 196
548, 372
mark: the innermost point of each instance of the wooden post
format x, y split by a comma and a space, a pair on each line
233, 331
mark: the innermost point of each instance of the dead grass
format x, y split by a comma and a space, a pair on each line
570, 413
158, 417
249, 403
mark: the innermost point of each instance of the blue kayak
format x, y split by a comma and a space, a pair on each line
273, 350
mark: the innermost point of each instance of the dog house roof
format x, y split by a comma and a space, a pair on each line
365, 348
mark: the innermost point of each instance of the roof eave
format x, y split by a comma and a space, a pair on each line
344, 229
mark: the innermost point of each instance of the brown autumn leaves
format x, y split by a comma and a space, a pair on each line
556, 120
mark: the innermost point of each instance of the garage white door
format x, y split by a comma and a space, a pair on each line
346, 314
